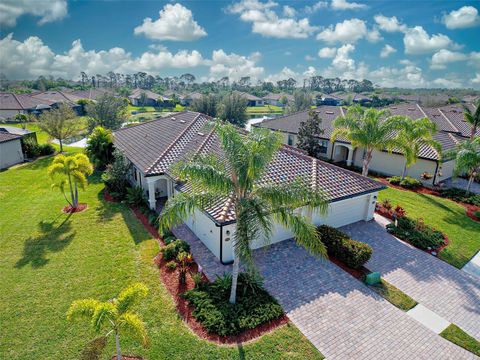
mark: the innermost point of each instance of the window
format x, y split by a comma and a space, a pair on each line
323, 146
290, 139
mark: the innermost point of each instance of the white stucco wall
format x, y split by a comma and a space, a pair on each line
206, 230
10, 153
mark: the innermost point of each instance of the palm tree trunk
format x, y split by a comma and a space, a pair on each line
235, 272
404, 170
473, 131
366, 162
117, 345
470, 181
61, 145
71, 189
76, 196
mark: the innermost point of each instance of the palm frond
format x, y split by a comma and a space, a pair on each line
104, 311
131, 296
82, 309
131, 324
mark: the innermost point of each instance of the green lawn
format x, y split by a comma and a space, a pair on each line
49, 259
456, 335
394, 295
445, 215
131, 108
264, 109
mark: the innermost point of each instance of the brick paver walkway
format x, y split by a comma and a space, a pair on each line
340, 316
444, 289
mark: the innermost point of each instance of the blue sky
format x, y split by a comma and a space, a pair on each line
393, 43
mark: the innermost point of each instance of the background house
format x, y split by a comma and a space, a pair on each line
10, 149
252, 100
449, 119
153, 147
150, 99
276, 99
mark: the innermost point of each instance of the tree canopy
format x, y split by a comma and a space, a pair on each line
60, 123
308, 134
108, 111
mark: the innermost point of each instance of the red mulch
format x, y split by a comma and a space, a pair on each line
69, 209
358, 274
170, 279
109, 197
471, 211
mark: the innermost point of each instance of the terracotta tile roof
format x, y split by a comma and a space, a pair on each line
11, 101
136, 93
449, 119
153, 147
92, 94
6, 136
247, 95
56, 97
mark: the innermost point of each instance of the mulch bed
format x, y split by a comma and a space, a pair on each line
170, 278
469, 208
70, 210
358, 274
109, 197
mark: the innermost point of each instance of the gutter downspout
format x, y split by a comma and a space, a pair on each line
331, 152
435, 175
221, 247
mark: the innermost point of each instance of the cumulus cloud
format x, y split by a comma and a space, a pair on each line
387, 50
465, 17
389, 24
345, 5
348, 31
442, 58
409, 76
234, 66
47, 11
289, 11
327, 52
32, 58
476, 79
174, 23
310, 9
267, 23
418, 41
309, 58
448, 83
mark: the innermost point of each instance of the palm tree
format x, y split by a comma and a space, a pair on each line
72, 170
114, 316
472, 118
236, 176
368, 128
411, 135
467, 159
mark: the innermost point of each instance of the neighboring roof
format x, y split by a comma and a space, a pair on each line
11, 101
247, 96
193, 95
91, 94
6, 136
449, 119
278, 97
54, 97
136, 93
471, 98
15, 130
154, 146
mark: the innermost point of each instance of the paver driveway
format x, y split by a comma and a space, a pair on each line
340, 316
447, 291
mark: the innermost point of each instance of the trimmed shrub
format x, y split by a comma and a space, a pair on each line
46, 149
30, 148
171, 265
407, 182
477, 214
136, 197
170, 251
351, 252
417, 233
213, 310
461, 196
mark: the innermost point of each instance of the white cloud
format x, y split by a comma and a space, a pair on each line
47, 11
474, 59
342, 60
442, 58
267, 23
311, 71
315, 7
174, 23
289, 11
309, 58
32, 58
409, 76
476, 79
447, 83
465, 17
387, 51
417, 41
389, 24
285, 73
234, 66
348, 31
327, 52
345, 5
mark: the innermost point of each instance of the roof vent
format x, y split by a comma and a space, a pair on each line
183, 121
393, 107
411, 109
329, 112
173, 119
201, 134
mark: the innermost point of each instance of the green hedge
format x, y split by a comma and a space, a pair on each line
407, 182
351, 252
460, 195
416, 233
212, 309
170, 251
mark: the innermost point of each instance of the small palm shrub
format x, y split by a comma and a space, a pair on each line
417, 233
170, 251
407, 182
136, 197
211, 306
171, 265
30, 148
46, 149
184, 260
351, 252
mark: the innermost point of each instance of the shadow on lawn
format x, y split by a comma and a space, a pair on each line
434, 202
52, 238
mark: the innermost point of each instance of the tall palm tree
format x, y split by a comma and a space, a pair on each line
467, 159
237, 176
411, 135
473, 118
114, 316
368, 128
72, 171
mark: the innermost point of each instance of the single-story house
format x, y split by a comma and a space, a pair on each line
55, 98
252, 100
153, 147
429, 168
329, 99
152, 99
361, 99
276, 99
189, 98
90, 94
10, 149
12, 104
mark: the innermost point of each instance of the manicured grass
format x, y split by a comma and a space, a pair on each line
394, 295
131, 108
264, 109
50, 259
446, 216
456, 335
